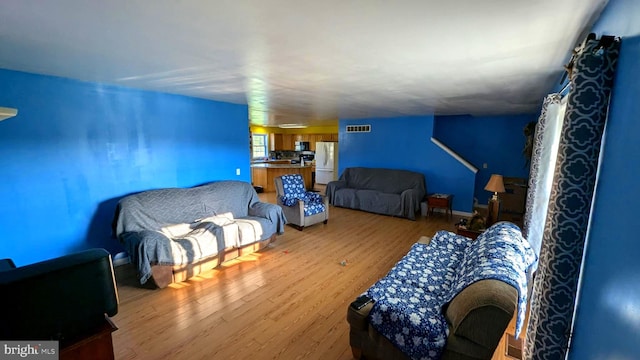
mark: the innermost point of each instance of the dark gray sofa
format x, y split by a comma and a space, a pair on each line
382, 191
174, 234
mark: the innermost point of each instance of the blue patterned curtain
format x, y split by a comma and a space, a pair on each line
591, 72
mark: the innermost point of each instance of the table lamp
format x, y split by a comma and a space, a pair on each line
495, 185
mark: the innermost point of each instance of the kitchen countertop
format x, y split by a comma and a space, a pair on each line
279, 161
280, 166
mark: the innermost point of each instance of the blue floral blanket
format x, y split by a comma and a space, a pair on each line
409, 299
294, 190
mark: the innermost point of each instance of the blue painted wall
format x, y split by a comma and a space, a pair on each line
75, 148
494, 140
607, 324
405, 143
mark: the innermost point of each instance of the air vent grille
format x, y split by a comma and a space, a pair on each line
358, 128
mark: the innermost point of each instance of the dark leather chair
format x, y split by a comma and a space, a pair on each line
63, 299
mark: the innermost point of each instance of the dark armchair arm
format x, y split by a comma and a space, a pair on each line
332, 187
269, 211
58, 299
410, 202
479, 315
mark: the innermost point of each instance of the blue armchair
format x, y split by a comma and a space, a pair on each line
301, 207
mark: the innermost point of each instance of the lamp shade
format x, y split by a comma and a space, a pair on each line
495, 184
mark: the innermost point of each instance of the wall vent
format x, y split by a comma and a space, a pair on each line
358, 128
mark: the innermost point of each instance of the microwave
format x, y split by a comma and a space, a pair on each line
302, 146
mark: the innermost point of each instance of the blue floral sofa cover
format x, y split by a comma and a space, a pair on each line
410, 302
300, 207
294, 190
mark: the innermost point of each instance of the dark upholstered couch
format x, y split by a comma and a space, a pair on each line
479, 310
62, 299
382, 191
478, 317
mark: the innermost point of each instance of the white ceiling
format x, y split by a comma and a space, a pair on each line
308, 61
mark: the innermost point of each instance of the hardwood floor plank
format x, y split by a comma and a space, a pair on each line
288, 301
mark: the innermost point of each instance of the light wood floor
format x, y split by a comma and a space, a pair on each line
288, 301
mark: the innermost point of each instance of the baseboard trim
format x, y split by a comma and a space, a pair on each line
121, 258
444, 212
462, 213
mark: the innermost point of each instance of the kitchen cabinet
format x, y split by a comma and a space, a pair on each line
275, 142
322, 137
288, 141
328, 137
263, 174
313, 138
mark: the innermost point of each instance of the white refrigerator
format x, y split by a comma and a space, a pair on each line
326, 162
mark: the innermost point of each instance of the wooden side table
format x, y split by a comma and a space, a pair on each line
97, 346
440, 201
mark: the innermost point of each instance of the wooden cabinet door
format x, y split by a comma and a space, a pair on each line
275, 142
288, 142
312, 141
